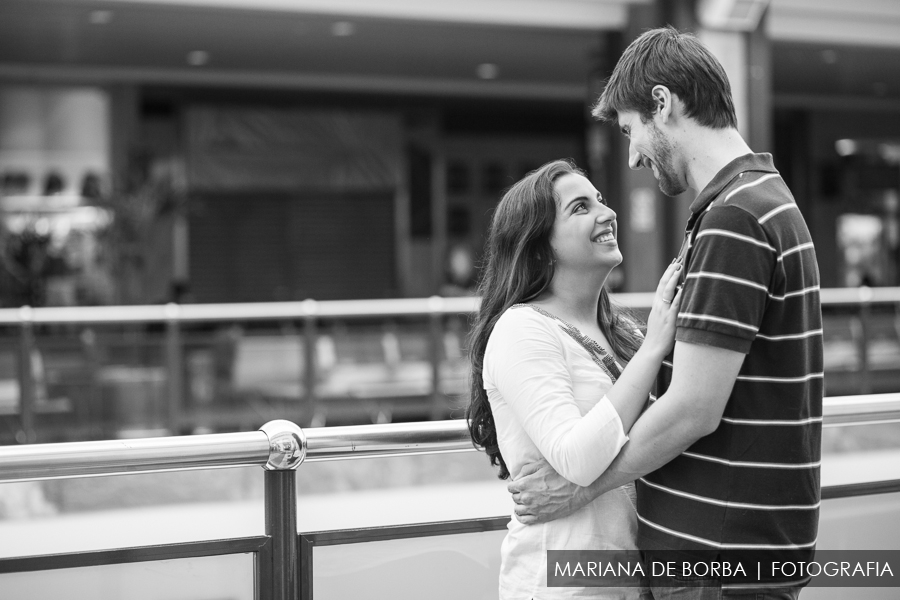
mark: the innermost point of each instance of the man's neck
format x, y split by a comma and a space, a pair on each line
707, 151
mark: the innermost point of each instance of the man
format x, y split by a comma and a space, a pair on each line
727, 457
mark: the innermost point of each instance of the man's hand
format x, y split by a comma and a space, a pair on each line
541, 494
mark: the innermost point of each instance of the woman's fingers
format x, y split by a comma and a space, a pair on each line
667, 276
666, 289
676, 300
668, 292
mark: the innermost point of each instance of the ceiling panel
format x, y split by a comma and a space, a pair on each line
134, 41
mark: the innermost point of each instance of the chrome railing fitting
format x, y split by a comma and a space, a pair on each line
287, 445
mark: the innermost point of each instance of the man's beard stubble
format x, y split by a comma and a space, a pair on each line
662, 149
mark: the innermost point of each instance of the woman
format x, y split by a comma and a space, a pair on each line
547, 352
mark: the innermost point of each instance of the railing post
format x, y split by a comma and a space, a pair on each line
287, 449
865, 310
27, 395
90, 413
309, 361
174, 369
436, 337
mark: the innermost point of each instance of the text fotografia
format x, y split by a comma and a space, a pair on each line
733, 569
832, 569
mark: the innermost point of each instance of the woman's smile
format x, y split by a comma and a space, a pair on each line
605, 236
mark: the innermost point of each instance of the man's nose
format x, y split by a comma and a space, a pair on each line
634, 159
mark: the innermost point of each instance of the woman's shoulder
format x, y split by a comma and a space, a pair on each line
525, 314
522, 321
521, 329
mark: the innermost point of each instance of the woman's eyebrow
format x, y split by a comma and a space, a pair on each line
573, 200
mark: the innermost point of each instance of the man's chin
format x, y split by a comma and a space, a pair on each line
671, 190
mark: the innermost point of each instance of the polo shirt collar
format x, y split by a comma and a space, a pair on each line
748, 162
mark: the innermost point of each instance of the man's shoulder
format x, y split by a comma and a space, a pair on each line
758, 204
756, 192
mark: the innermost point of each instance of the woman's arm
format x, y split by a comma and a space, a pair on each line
528, 368
526, 364
630, 392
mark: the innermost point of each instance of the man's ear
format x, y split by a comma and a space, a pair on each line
664, 101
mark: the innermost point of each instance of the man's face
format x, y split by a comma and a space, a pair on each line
649, 147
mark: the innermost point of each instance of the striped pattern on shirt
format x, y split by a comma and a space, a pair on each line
751, 285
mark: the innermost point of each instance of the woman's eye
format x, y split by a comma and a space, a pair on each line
603, 201
580, 206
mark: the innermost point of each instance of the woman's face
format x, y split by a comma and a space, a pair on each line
584, 234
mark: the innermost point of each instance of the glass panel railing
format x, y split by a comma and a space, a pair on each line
283, 447
394, 562
226, 577
398, 490
99, 513
432, 566
861, 438
860, 522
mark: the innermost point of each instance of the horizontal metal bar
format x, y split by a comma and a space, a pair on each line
393, 532
333, 309
868, 488
330, 443
861, 410
860, 295
120, 556
82, 459
357, 441
399, 307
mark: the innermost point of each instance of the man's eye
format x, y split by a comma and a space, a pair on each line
603, 201
580, 206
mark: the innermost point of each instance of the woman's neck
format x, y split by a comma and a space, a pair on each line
573, 296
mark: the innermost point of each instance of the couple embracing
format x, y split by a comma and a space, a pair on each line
699, 431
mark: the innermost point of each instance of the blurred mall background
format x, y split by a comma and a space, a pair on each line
242, 153
215, 213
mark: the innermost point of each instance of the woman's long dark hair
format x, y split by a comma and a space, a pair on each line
518, 267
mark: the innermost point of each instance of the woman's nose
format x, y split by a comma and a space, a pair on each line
606, 214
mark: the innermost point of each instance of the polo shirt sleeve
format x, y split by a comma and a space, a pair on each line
727, 283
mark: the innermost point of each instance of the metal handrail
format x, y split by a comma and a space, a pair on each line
162, 313
860, 295
392, 439
861, 410
75, 459
114, 457
395, 307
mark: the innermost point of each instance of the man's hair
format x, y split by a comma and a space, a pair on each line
666, 56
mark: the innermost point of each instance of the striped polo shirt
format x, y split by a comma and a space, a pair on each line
751, 285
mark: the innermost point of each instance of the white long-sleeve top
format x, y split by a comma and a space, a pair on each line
548, 398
